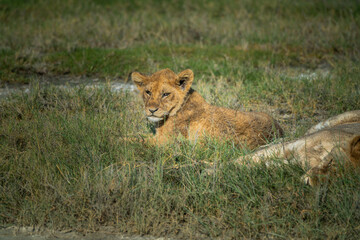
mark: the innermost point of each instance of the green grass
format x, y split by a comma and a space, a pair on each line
120, 62
63, 163
114, 37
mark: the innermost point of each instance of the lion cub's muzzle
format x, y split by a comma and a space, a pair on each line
154, 115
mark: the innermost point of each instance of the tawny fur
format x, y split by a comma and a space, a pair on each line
347, 117
337, 138
176, 108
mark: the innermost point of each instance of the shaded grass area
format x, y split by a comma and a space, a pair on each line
64, 165
119, 63
20, 67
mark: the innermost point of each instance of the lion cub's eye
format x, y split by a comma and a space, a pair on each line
165, 94
148, 92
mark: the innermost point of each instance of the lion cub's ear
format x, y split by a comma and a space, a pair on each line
138, 79
185, 79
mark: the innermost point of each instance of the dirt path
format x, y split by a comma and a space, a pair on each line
67, 83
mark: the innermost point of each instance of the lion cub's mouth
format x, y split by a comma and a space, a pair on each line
155, 119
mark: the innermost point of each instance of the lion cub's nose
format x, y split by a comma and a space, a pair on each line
153, 110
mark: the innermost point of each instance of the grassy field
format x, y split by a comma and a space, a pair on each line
64, 165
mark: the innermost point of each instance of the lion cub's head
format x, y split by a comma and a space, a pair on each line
163, 92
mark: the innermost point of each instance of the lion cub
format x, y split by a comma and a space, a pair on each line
176, 108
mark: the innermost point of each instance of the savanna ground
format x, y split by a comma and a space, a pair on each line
63, 164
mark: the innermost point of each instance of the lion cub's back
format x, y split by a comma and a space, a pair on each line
250, 128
